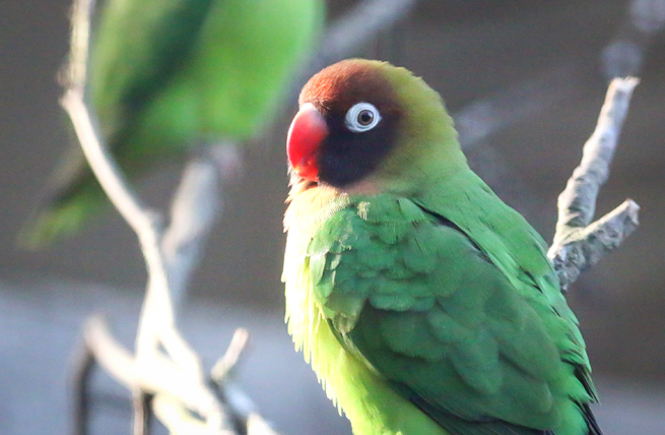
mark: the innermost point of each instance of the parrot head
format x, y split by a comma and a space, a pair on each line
368, 126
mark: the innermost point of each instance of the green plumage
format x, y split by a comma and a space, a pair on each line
167, 75
429, 307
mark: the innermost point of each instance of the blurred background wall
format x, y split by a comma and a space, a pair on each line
540, 62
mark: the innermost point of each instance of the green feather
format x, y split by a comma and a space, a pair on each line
168, 75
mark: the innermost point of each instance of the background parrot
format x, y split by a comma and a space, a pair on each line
166, 75
423, 302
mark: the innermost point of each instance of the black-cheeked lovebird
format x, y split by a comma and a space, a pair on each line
167, 75
425, 304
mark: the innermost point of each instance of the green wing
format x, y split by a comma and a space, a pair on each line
197, 69
166, 75
414, 297
137, 49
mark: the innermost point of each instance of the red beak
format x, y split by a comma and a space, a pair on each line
307, 131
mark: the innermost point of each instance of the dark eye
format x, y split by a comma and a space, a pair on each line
365, 117
362, 117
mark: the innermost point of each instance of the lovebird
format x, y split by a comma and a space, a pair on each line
168, 75
425, 304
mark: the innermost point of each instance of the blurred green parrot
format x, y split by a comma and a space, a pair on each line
167, 75
425, 304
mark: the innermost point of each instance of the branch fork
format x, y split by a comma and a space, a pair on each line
578, 243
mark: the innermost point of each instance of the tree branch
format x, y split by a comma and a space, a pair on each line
195, 207
84, 363
177, 376
162, 378
578, 244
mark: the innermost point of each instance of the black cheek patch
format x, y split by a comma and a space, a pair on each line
347, 157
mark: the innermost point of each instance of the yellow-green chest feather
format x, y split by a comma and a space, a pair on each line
371, 405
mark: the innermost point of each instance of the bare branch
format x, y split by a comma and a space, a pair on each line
169, 263
586, 247
158, 375
142, 404
244, 409
194, 210
98, 156
225, 364
101, 162
256, 425
578, 245
83, 364
173, 395
179, 421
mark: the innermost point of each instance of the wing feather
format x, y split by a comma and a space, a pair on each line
425, 308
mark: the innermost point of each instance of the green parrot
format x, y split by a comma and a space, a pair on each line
425, 305
167, 75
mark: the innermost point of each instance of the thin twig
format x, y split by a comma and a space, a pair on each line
194, 210
162, 377
83, 365
157, 319
256, 425
578, 244
142, 404
179, 421
226, 363
244, 411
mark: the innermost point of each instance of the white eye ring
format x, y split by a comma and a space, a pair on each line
362, 117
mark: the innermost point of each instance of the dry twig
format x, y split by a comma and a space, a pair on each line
579, 244
174, 377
